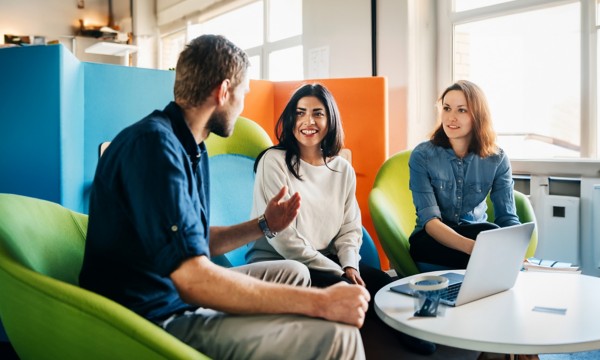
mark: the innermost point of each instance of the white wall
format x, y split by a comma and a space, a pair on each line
422, 70
344, 26
146, 35
393, 62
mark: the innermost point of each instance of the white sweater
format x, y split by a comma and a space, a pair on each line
329, 219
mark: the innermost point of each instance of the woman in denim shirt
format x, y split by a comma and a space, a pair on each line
450, 177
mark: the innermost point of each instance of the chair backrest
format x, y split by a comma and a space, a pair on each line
525, 213
43, 236
368, 251
45, 314
248, 138
394, 213
393, 180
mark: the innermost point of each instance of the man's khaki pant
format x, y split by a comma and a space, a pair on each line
224, 336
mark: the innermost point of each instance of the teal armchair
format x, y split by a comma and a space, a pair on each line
45, 313
394, 215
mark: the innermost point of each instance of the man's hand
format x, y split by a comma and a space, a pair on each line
346, 303
353, 275
280, 214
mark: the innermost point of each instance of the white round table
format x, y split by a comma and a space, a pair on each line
506, 322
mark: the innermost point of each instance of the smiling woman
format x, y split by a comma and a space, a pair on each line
327, 233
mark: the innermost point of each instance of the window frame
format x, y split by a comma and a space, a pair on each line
448, 19
262, 51
161, 44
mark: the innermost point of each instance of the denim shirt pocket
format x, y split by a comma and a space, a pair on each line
444, 192
475, 194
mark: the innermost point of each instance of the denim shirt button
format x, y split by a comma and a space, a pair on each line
174, 228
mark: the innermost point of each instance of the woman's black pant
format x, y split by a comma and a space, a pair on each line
425, 249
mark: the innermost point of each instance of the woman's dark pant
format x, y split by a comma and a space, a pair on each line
374, 280
425, 249
377, 336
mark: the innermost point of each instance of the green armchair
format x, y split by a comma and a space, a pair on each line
394, 215
45, 313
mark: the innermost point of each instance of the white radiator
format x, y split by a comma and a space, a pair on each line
559, 227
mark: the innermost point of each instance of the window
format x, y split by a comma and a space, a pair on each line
171, 45
270, 31
528, 60
286, 64
247, 32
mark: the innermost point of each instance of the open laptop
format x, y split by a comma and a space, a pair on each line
495, 262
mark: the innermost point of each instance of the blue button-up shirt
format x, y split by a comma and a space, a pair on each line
454, 190
148, 213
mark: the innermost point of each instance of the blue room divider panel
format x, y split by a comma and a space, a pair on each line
56, 110
40, 94
72, 99
116, 97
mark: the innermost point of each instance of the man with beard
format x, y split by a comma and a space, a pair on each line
149, 241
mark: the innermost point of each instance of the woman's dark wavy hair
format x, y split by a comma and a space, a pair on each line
284, 129
483, 141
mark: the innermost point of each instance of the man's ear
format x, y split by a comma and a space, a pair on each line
223, 91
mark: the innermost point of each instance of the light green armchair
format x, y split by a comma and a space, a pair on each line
45, 313
394, 215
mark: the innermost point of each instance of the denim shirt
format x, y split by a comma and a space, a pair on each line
454, 190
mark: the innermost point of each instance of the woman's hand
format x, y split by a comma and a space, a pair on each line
280, 214
353, 275
446, 236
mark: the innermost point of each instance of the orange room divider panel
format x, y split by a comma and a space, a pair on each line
259, 105
363, 105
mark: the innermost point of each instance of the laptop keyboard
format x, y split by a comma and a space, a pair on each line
451, 292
